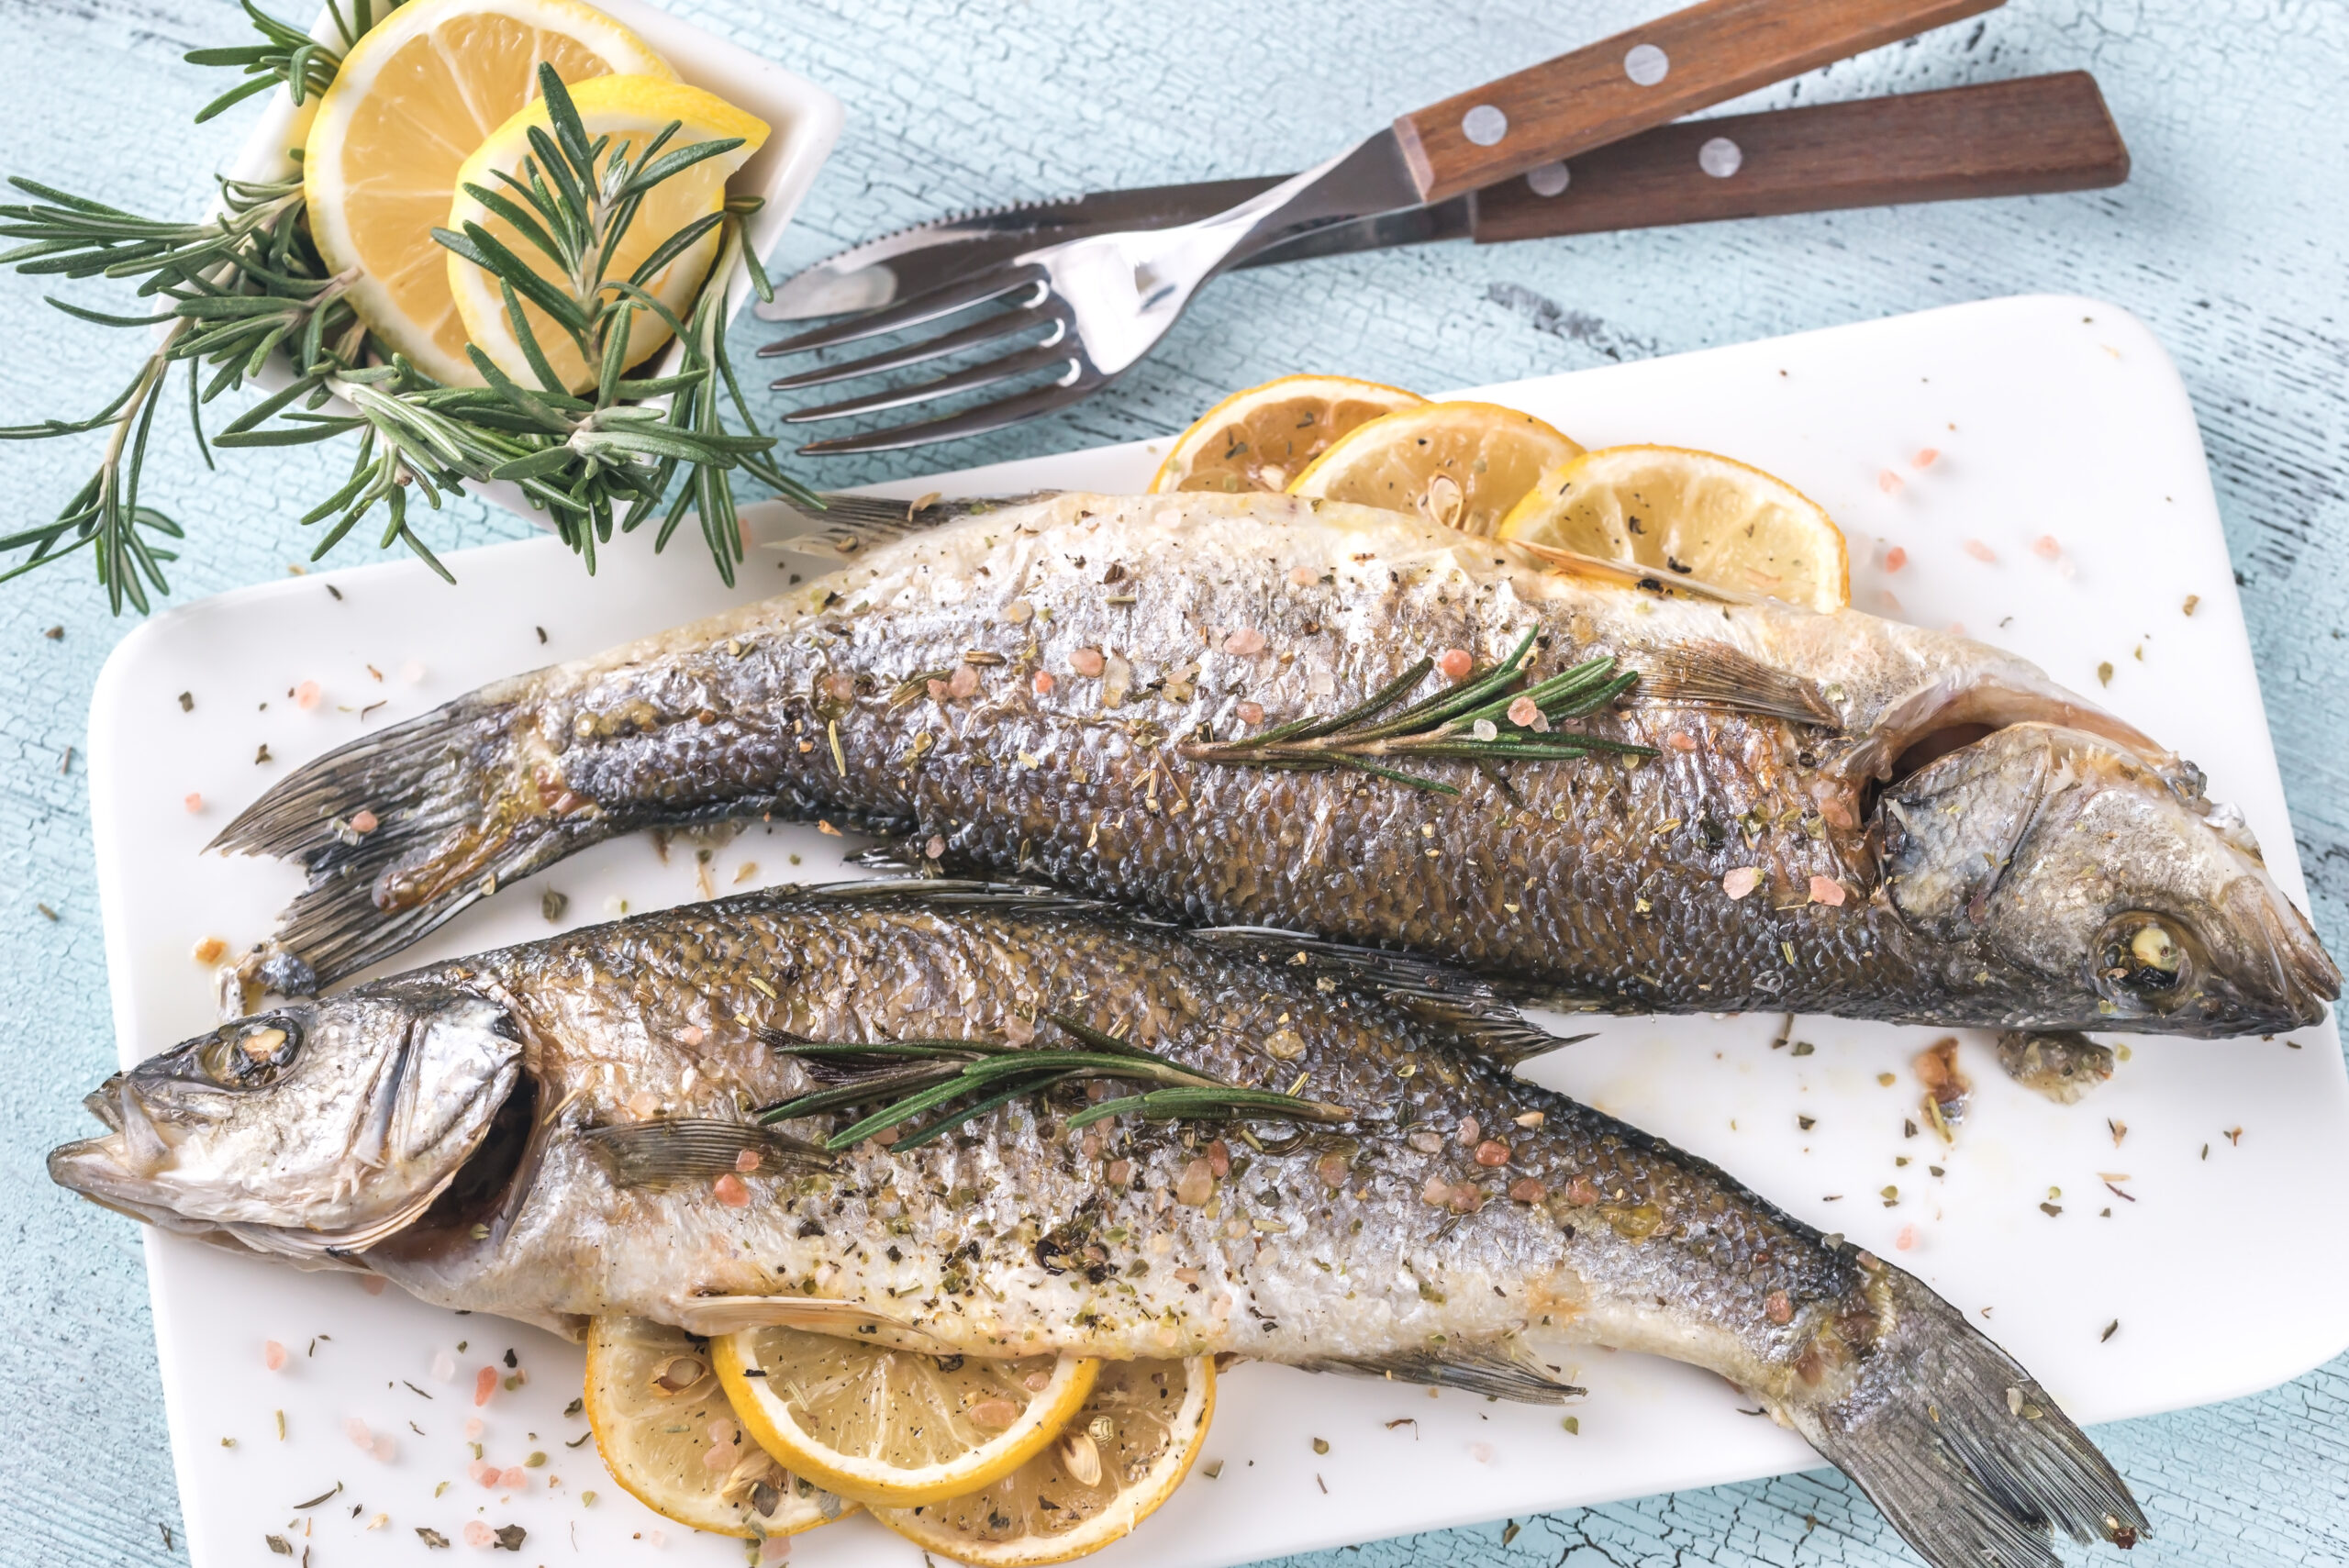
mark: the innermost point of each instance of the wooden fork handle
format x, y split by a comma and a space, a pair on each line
2029, 136
1673, 66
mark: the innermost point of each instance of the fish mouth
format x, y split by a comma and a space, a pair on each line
2290, 978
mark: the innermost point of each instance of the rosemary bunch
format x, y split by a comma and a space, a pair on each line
245, 287
1468, 722
919, 1076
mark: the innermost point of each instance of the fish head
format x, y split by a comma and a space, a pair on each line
2081, 886
319, 1127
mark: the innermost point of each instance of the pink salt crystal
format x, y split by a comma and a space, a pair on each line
484, 1384
1523, 712
1680, 741
2046, 548
1244, 643
1980, 551
482, 1472
937, 691
840, 685
1741, 880
1437, 1194
935, 848
746, 1162
356, 1429
515, 1478
1889, 481
192, 801
1481, 1453
411, 673
774, 1549
1895, 559
1455, 663
723, 1433
307, 695
731, 1192
690, 1035
474, 1427
272, 1356
1886, 597
718, 1458
1957, 628
363, 821
477, 1533
1087, 662
1907, 1238
1018, 1031
1251, 713
386, 1449
964, 681
1828, 891
372, 1284
1926, 457
1303, 576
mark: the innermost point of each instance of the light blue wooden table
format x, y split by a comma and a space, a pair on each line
2229, 240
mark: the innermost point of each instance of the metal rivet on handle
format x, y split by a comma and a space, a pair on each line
1720, 158
1484, 124
1646, 64
1549, 179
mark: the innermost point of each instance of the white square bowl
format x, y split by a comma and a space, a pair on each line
804, 122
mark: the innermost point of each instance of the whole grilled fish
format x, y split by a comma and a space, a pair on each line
1841, 814
558, 1130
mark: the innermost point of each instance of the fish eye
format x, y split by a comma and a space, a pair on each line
251, 1052
2142, 959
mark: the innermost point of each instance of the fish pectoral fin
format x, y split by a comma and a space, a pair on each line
1714, 674
673, 1150
1466, 1005
1504, 1369
711, 1316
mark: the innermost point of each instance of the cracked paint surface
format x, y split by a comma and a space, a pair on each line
2227, 241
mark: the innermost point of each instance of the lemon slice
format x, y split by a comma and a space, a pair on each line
1684, 514
1264, 436
630, 111
1461, 464
658, 1411
895, 1427
411, 101
1122, 1455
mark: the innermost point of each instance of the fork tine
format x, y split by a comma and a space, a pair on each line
975, 421
968, 379
984, 331
993, 283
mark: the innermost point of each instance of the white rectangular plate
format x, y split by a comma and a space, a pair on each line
2052, 418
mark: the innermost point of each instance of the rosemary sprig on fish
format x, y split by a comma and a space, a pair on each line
933, 1073
554, 1133
1787, 810
1490, 716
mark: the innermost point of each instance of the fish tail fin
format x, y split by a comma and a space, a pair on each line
1962, 1449
455, 813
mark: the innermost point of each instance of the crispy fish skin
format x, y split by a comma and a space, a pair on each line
1023, 692
1463, 1212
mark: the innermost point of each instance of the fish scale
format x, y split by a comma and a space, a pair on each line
1459, 1225
1101, 743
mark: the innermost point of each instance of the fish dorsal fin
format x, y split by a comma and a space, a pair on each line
1460, 1003
846, 525
970, 894
1504, 1369
712, 1316
674, 1150
1714, 674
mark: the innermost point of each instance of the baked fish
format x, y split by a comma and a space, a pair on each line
571, 1129
1175, 702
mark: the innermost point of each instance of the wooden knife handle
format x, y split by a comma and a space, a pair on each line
2001, 139
1647, 76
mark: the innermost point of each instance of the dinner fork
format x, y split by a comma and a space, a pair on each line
1102, 301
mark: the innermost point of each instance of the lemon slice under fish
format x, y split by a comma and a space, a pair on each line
1264, 436
415, 95
895, 1427
659, 1412
1681, 513
1461, 464
629, 111
1122, 1454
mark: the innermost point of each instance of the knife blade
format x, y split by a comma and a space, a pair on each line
2030, 136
